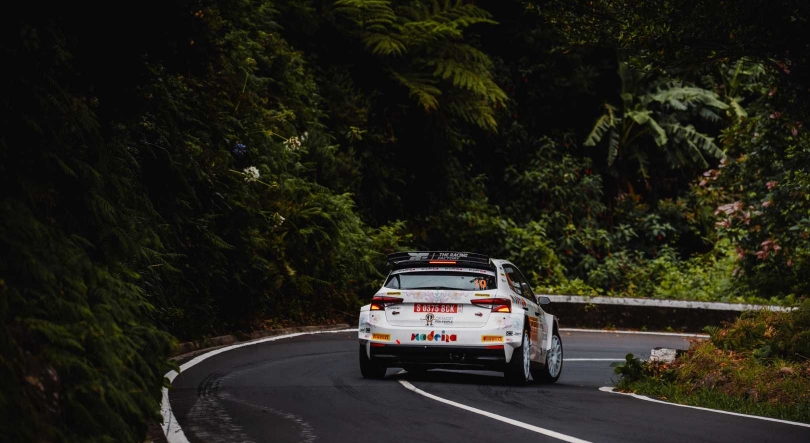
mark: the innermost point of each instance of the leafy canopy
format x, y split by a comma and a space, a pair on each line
423, 48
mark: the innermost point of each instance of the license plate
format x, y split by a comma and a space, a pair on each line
438, 308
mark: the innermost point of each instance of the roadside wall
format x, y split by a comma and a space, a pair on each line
644, 314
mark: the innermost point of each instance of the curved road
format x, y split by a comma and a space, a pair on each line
309, 388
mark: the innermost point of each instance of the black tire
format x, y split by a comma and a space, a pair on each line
551, 371
369, 368
517, 370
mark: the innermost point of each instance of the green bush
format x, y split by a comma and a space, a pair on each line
81, 360
756, 365
768, 334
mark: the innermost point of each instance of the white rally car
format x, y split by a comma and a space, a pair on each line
458, 310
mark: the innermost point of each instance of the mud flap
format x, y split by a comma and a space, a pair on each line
549, 330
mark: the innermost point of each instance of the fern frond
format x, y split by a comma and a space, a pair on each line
367, 13
478, 112
422, 88
382, 44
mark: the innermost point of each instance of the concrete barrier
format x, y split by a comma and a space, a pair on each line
576, 311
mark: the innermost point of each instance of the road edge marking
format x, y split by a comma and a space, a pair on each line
171, 428
604, 331
594, 359
738, 414
520, 424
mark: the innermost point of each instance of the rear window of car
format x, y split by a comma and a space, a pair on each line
458, 281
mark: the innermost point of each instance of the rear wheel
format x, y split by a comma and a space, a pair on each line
369, 368
517, 370
551, 371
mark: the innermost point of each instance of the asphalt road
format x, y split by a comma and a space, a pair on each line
309, 388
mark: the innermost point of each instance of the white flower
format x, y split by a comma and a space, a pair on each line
251, 174
292, 143
279, 219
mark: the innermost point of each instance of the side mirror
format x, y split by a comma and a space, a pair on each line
543, 300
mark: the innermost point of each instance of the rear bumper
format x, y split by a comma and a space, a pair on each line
438, 356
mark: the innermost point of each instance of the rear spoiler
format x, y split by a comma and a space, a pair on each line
400, 260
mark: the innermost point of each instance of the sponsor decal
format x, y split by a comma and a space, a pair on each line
452, 255
443, 320
506, 321
429, 319
383, 337
433, 336
510, 333
533, 323
393, 293
492, 338
412, 256
481, 295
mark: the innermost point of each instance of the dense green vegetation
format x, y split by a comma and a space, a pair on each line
757, 365
190, 168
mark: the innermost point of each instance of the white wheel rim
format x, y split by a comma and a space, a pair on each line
555, 357
526, 353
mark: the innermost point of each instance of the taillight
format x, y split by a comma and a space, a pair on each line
496, 304
442, 262
380, 302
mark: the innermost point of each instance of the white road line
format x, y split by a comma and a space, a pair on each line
510, 421
172, 430
593, 359
604, 331
643, 397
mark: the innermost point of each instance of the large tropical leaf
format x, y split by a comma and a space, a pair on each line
613, 146
683, 97
697, 142
603, 124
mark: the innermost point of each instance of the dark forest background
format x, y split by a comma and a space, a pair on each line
180, 169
